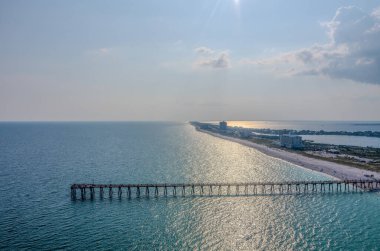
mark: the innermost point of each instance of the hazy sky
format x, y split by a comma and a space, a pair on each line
189, 60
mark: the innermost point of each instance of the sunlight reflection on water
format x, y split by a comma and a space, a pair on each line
46, 158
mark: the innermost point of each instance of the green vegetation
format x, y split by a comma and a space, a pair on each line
367, 158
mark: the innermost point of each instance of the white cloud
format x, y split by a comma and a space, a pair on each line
376, 13
364, 61
100, 51
212, 59
204, 50
221, 61
353, 51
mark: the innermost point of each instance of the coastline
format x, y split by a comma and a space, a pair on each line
335, 170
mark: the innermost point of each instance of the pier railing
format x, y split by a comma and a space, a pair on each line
89, 191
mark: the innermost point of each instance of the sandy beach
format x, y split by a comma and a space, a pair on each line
335, 170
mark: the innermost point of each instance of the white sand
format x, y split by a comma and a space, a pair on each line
330, 168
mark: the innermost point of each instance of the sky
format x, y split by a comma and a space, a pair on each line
180, 60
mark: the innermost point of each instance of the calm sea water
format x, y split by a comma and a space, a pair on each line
39, 161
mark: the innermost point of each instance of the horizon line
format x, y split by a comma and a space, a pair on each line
187, 121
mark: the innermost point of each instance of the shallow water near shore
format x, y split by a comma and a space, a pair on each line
39, 161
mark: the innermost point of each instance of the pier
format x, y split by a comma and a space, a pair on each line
90, 191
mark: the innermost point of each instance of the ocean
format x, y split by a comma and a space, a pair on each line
40, 160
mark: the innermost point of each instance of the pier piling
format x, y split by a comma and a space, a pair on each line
225, 188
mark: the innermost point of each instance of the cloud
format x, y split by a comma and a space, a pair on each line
212, 59
376, 13
204, 50
221, 61
353, 51
100, 51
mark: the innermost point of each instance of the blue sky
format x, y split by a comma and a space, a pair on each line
189, 60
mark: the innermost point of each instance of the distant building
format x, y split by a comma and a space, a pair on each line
334, 151
245, 133
223, 125
291, 141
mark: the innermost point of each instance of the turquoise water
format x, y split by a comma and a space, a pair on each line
40, 160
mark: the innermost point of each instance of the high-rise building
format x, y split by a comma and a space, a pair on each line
223, 125
291, 141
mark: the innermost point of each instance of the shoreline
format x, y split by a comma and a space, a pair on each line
335, 170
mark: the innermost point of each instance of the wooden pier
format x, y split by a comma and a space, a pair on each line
89, 191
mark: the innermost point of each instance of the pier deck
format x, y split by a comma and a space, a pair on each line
88, 191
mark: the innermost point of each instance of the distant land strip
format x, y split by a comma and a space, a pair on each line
347, 169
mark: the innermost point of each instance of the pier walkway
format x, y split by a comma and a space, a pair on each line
88, 191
